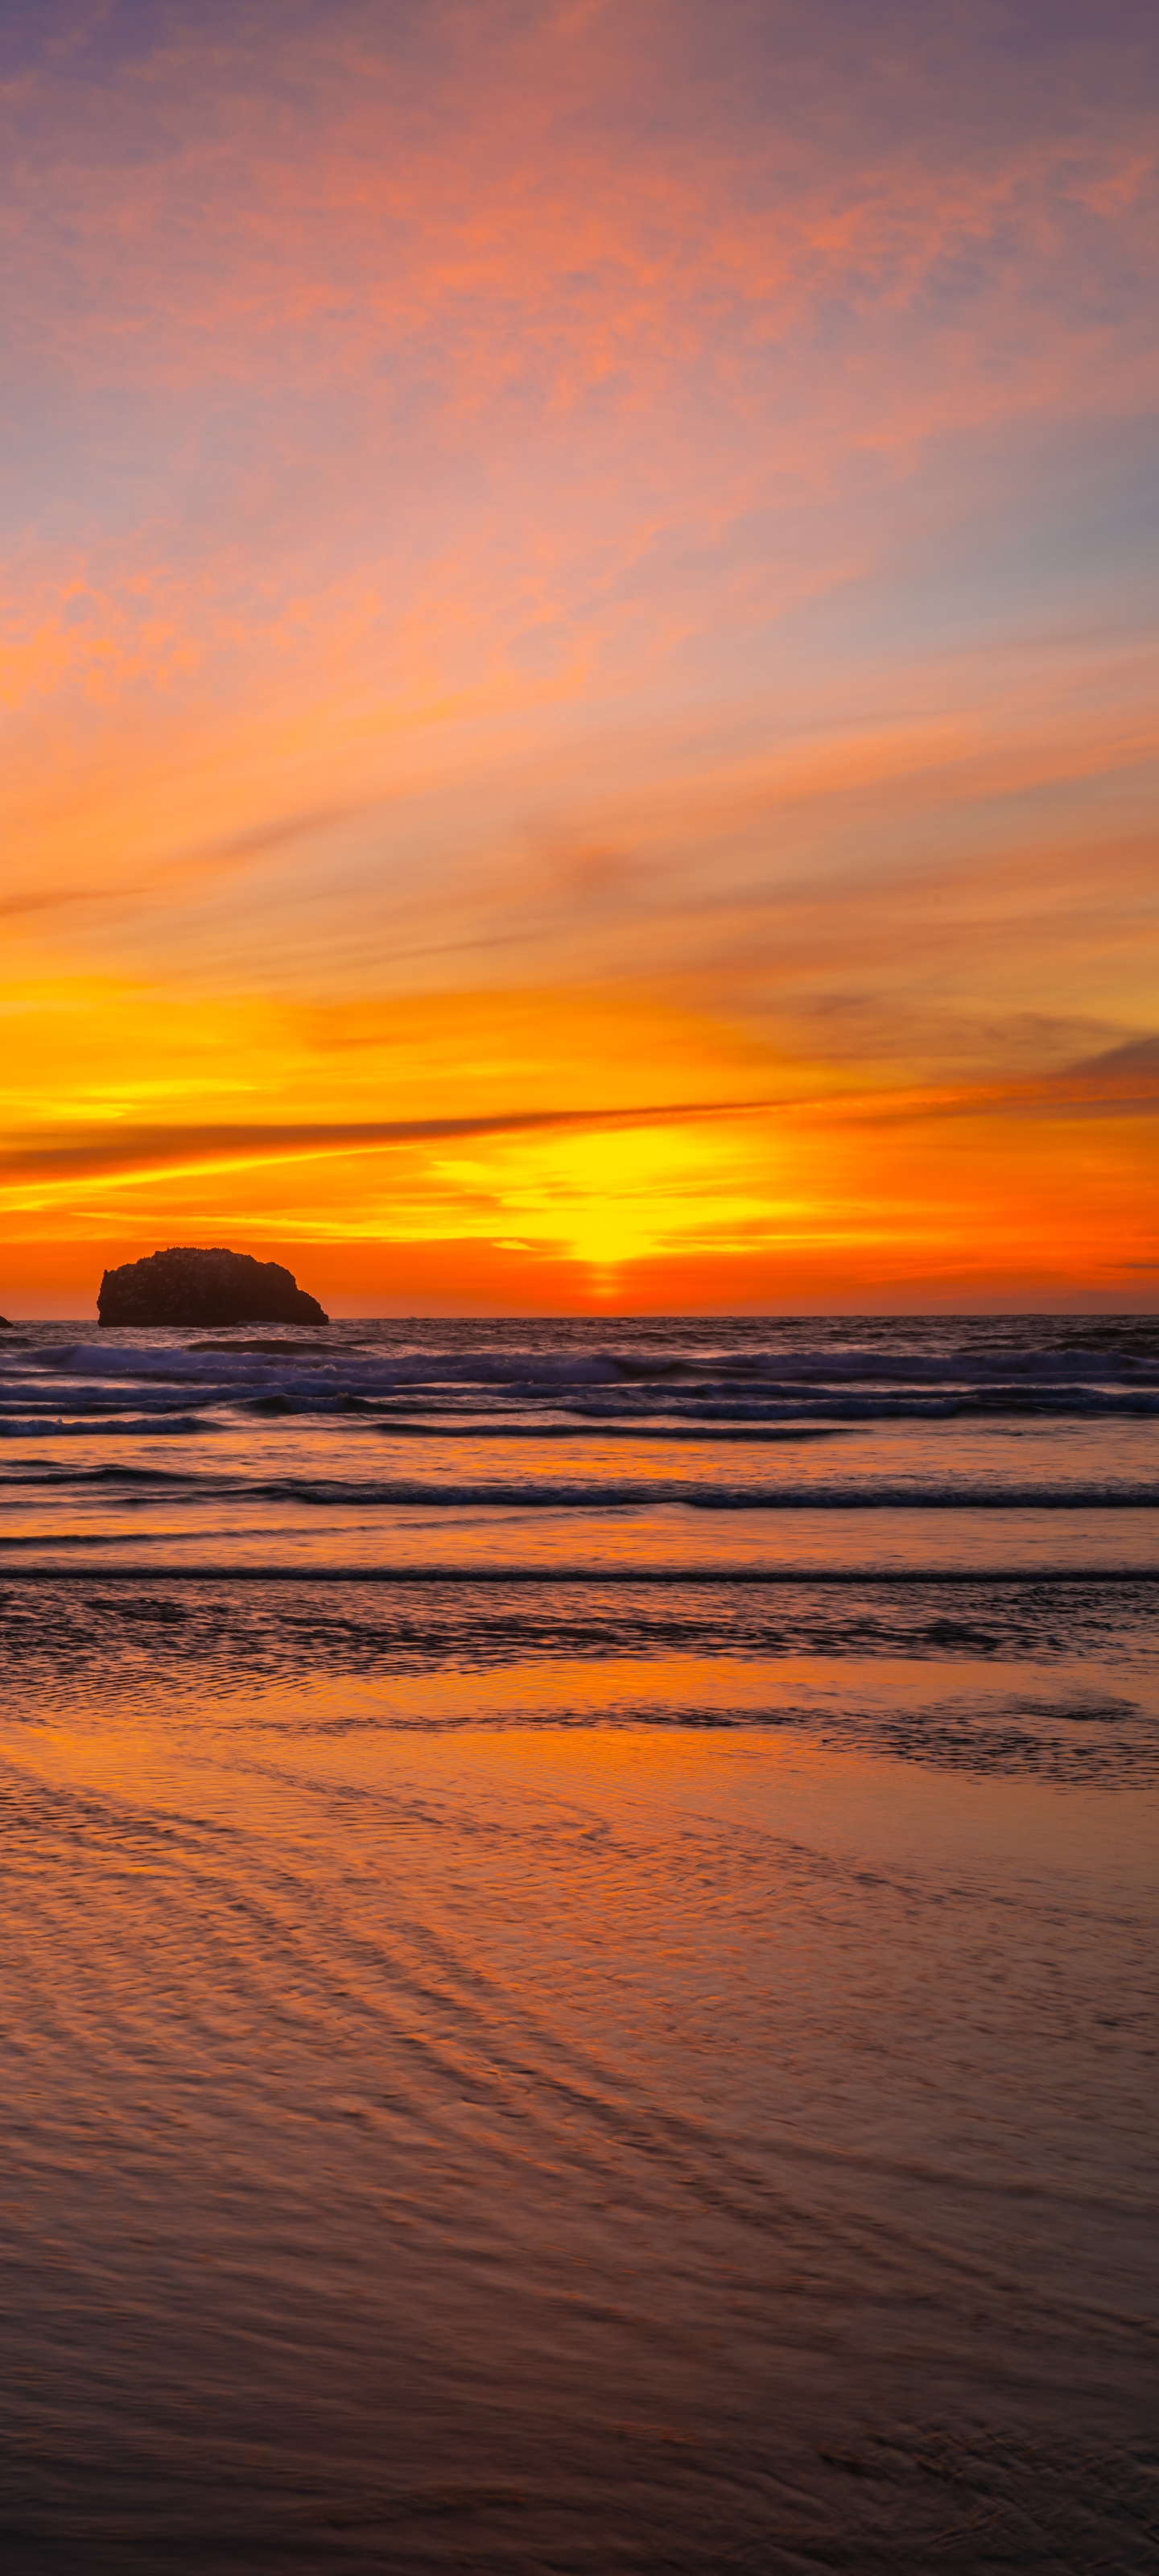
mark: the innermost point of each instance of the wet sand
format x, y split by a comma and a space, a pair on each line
462, 2139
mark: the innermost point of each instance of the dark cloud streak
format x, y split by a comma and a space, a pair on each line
132, 1148
1113, 1085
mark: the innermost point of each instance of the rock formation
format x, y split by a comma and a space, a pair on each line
185, 1286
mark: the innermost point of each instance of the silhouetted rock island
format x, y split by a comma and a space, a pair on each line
186, 1286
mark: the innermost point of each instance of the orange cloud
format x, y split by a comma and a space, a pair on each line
745, 1167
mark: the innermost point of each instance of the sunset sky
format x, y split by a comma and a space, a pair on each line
578, 650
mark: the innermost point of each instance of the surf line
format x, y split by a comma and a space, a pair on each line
594, 1576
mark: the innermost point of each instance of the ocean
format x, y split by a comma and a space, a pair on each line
579, 1946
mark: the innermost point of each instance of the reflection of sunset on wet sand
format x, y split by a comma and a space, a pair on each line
567, 2147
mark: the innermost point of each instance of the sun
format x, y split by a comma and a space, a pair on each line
606, 1200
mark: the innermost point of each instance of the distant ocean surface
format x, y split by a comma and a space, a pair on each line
658, 1443
579, 1946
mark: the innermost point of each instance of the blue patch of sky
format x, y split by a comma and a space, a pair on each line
1066, 536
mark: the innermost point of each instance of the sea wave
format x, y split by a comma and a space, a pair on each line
592, 1494
369, 1375
528, 1418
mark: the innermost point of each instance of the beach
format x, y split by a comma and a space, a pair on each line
576, 2002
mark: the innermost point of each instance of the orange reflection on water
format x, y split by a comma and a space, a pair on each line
412, 2083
